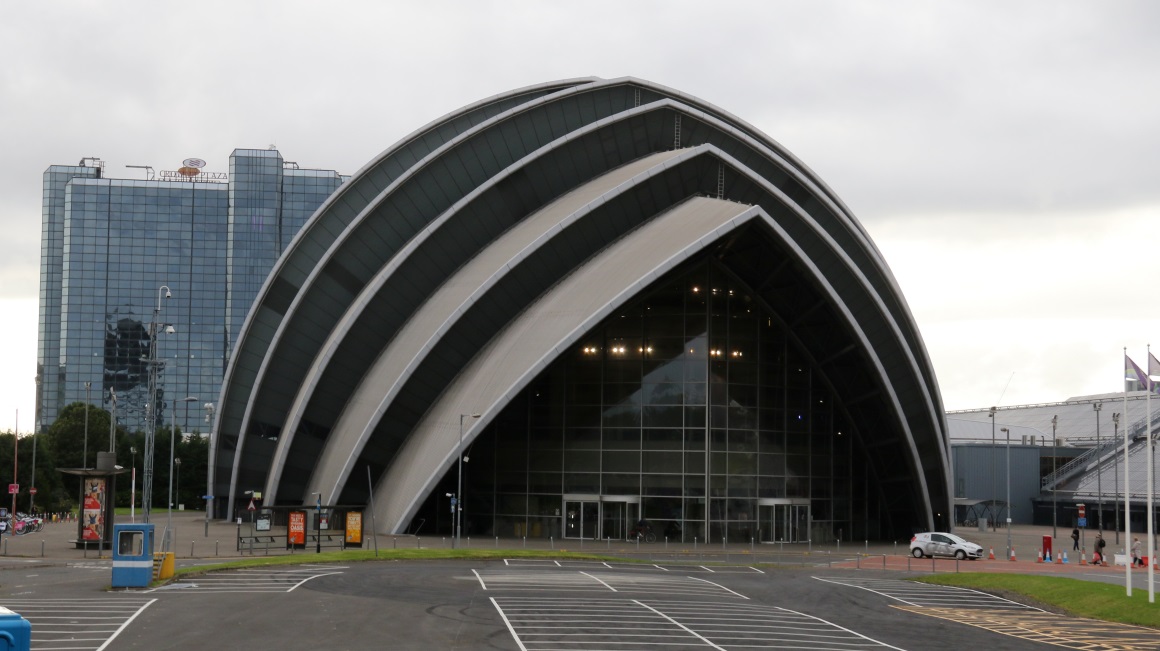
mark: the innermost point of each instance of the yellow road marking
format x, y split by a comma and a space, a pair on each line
1049, 628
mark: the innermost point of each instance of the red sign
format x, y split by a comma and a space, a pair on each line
296, 530
251, 506
13, 489
32, 490
1081, 510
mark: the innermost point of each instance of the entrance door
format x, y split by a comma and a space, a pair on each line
581, 519
618, 516
783, 520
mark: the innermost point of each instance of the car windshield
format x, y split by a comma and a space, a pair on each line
956, 539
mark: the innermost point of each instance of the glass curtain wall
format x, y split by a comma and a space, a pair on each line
689, 408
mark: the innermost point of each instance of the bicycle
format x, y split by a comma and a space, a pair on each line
642, 533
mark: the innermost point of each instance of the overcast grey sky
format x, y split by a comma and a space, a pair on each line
1003, 155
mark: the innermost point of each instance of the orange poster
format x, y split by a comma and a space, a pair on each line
354, 527
296, 531
93, 509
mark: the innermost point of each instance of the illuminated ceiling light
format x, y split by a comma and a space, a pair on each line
696, 289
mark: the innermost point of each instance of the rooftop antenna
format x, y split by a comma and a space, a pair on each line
1000, 400
148, 170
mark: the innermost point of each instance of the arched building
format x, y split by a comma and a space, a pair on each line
655, 310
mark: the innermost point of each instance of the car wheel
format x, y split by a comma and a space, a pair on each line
916, 552
961, 555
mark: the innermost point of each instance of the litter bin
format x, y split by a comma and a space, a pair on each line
1046, 548
983, 525
132, 555
15, 631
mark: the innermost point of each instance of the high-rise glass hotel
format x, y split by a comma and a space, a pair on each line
113, 249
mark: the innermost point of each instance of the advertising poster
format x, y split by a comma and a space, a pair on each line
354, 527
296, 528
93, 509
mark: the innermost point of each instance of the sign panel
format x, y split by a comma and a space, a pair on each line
296, 528
1083, 522
13, 489
262, 523
354, 527
32, 490
93, 507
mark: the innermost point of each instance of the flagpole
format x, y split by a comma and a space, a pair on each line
1151, 489
1127, 494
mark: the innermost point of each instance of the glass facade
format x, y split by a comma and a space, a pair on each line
117, 242
690, 408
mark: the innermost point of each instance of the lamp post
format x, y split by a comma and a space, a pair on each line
1054, 478
133, 485
172, 438
32, 488
153, 408
112, 417
1116, 438
209, 472
177, 481
1099, 462
84, 457
318, 524
991, 413
1007, 431
459, 483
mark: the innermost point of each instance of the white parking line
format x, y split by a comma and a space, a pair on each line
587, 624
930, 596
78, 624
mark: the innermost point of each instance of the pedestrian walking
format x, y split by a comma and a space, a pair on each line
1075, 539
1136, 558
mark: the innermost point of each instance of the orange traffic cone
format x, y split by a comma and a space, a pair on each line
1012, 552
991, 556
1082, 557
1039, 556
1059, 559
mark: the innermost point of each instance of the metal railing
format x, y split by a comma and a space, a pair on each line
1077, 464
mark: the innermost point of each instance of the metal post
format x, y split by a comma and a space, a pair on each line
459, 483
1054, 478
1007, 431
318, 526
993, 464
1115, 439
1099, 462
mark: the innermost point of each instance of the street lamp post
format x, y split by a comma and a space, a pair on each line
318, 524
112, 418
991, 413
1008, 433
153, 408
133, 484
1115, 439
459, 483
1099, 462
84, 457
32, 488
1054, 478
209, 469
177, 481
172, 439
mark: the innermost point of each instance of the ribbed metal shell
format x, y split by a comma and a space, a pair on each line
411, 286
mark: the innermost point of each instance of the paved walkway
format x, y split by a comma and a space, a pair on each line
195, 539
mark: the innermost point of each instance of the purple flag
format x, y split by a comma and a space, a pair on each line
1133, 372
1153, 369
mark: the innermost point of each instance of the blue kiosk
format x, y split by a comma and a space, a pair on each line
15, 631
132, 555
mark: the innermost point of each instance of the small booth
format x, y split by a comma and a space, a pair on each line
132, 555
15, 631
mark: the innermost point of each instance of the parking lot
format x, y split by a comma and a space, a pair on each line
681, 598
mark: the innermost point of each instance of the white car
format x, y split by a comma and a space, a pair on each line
938, 543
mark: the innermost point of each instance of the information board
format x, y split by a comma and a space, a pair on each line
296, 528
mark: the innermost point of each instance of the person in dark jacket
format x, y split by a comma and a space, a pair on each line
1075, 539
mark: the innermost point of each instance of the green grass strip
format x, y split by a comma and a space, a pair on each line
1088, 599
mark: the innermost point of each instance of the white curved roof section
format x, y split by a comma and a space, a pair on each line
351, 346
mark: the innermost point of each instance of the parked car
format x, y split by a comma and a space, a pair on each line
937, 543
